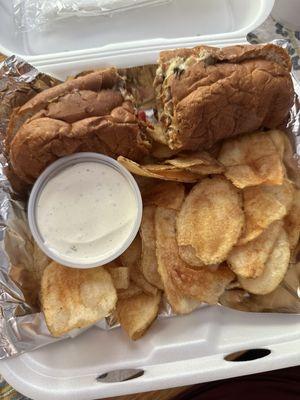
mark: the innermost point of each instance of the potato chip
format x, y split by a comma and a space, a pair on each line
274, 271
295, 252
75, 298
204, 284
199, 162
138, 278
132, 254
264, 205
180, 303
283, 193
148, 259
279, 140
158, 171
211, 219
131, 291
249, 260
235, 284
292, 221
137, 313
188, 254
237, 299
40, 262
165, 194
170, 172
284, 147
25, 280
283, 298
131, 258
120, 276
291, 162
145, 184
252, 160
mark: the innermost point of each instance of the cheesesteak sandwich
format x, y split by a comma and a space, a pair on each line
206, 93
89, 113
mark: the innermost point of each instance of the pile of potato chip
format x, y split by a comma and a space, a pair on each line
212, 223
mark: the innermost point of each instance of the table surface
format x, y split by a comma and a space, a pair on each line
167, 394
268, 31
8, 393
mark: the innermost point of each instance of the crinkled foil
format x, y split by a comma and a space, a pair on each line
22, 325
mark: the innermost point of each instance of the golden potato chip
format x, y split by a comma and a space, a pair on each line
165, 194
131, 291
188, 254
235, 284
290, 161
133, 253
187, 160
207, 169
131, 258
284, 298
145, 184
264, 205
237, 299
199, 162
292, 221
158, 171
138, 278
285, 149
29, 286
274, 271
295, 252
204, 284
211, 219
120, 276
40, 262
279, 140
170, 172
148, 258
75, 298
251, 160
248, 260
283, 193
137, 313
164, 229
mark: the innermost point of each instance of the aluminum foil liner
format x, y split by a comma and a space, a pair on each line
22, 325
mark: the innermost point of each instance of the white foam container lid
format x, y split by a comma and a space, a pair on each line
176, 351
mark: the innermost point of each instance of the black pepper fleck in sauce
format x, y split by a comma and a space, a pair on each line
86, 211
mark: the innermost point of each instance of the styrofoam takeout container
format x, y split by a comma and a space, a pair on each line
176, 351
54, 169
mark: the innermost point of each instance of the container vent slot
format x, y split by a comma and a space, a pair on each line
120, 375
247, 355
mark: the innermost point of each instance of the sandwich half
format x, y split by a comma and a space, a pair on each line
206, 93
93, 112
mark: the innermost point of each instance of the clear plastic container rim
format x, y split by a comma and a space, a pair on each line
53, 170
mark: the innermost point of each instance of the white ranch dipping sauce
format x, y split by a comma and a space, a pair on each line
86, 212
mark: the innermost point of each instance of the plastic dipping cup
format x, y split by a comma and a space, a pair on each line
61, 210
